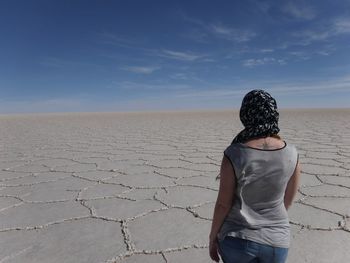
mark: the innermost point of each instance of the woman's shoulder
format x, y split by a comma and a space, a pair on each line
279, 146
291, 146
293, 149
232, 148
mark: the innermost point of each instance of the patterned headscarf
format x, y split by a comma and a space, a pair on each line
259, 116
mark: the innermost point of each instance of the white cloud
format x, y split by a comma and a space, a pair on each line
181, 76
339, 84
262, 6
196, 34
301, 12
217, 92
306, 87
232, 34
140, 70
114, 39
266, 50
306, 37
204, 31
300, 55
342, 25
262, 61
336, 27
177, 55
186, 96
323, 52
130, 85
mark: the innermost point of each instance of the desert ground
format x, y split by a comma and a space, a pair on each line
140, 187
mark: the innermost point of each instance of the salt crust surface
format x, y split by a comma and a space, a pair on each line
140, 187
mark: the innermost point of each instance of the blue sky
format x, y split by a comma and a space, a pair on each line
59, 56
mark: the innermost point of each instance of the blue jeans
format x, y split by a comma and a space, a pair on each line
237, 250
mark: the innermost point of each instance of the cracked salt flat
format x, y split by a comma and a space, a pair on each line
146, 180
32, 179
123, 208
113, 187
184, 196
69, 241
340, 206
40, 214
152, 232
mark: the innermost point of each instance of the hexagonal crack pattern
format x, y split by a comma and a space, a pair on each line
127, 187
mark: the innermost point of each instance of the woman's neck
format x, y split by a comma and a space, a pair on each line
268, 143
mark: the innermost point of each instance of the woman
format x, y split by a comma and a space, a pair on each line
258, 180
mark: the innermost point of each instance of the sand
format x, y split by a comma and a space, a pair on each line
140, 187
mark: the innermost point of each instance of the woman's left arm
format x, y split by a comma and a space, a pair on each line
223, 203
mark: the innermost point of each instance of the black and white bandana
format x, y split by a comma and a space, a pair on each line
259, 116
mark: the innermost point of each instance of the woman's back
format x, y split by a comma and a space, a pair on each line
262, 175
259, 177
268, 143
267, 169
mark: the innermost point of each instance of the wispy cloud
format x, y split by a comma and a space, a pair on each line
253, 62
266, 50
336, 27
252, 51
262, 6
338, 84
140, 70
180, 55
280, 88
197, 35
218, 92
342, 25
300, 55
126, 42
308, 36
230, 33
186, 76
164, 86
173, 96
179, 76
204, 31
306, 54
115, 39
54, 62
300, 12
112, 39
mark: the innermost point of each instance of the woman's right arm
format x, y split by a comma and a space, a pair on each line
292, 187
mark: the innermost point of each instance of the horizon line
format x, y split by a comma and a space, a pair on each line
168, 111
